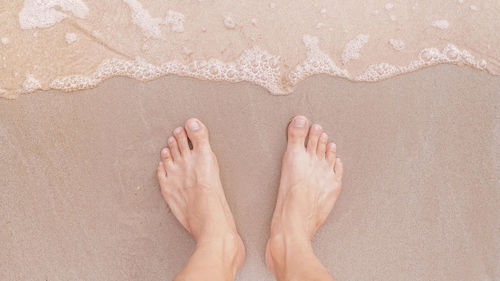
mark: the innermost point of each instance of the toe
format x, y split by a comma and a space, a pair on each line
198, 134
339, 169
323, 139
331, 153
181, 137
314, 134
174, 148
162, 175
297, 131
166, 157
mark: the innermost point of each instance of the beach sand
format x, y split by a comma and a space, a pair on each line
420, 199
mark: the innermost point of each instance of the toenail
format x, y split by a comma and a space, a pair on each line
299, 123
178, 131
333, 146
171, 139
316, 127
194, 125
324, 136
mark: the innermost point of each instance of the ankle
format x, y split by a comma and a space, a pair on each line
284, 250
227, 249
292, 258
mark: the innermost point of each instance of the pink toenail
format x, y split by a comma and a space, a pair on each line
324, 136
194, 125
316, 127
299, 123
178, 131
171, 139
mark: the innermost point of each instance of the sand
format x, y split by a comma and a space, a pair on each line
420, 199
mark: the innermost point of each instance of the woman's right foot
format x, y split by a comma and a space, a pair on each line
310, 183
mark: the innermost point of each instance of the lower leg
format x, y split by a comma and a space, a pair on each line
191, 186
309, 186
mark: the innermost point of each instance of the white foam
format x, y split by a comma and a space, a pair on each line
397, 44
42, 14
175, 20
141, 17
474, 8
254, 65
317, 62
353, 47
323, 11
71, 37
31, 84
5, 40
388, 6
229, 22
319, 25
441, 24
393, 17
427, 57
460, 1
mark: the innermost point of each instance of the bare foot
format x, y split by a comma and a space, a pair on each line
190, 183
309, 186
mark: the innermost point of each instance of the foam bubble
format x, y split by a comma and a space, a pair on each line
317, 62
141, 17
71, 37
31, 84
441, 24
353, 47
389, 6
229, 22
5, 40
397, 44
474, 8
319, 25
175, 20
42, 14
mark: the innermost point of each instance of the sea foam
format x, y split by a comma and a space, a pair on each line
42, 14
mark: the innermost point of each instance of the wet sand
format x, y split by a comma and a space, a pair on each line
420, 199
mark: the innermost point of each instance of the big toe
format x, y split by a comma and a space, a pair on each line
297, 131
197, 133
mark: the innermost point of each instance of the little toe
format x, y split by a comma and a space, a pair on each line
297, 131
174, 148
323, 139
331, 153
198, 134
166, 157
181, 137
162, 175
339, 169
314, 133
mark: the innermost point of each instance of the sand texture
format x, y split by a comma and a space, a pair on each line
79, 199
